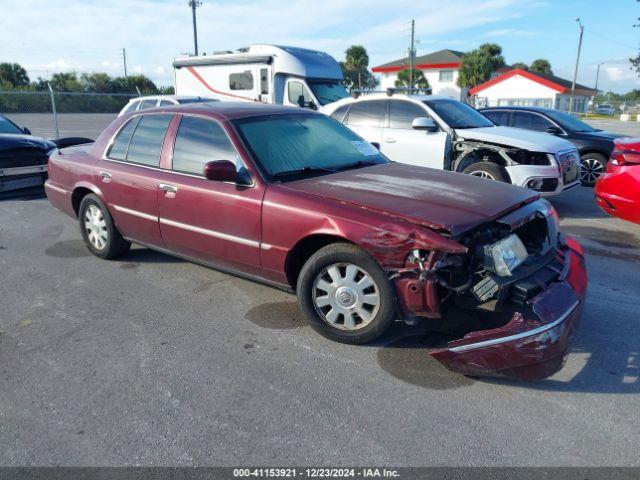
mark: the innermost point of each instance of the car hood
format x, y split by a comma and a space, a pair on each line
441, 200
10, 141
517, 137
601, 135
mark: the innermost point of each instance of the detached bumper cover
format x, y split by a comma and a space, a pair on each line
534, 344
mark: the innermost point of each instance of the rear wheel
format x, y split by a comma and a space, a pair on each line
487, 170
592, 165
98, 231
345, 294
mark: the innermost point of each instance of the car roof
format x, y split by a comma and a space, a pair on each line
418, 98
160, 97
228, 110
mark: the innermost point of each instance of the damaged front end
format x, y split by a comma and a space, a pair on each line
512, 297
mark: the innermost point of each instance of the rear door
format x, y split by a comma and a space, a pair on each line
401, 143
366, 118
216, 222
128, 176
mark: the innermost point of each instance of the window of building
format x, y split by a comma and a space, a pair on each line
241, 81
198, 142
446, 75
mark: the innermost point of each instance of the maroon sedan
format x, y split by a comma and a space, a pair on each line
294, 199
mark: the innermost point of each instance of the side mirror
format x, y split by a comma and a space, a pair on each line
220, 171
26, 131
554, 130
301, 101
424, 123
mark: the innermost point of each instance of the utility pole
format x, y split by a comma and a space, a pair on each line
412, 53
597, 75
575, 71
195, 4
124, 61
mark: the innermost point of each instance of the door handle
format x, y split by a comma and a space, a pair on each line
106, 176
168, 188
390, 140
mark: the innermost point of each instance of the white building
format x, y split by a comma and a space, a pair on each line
532, 89
440, 69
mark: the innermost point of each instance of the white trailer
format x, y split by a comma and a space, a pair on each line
262, 73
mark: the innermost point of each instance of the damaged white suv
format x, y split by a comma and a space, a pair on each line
440, 132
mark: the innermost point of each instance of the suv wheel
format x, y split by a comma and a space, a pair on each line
98, 231
487, 170
592, 165
346, 295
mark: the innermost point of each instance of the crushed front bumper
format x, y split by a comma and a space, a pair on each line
534, 344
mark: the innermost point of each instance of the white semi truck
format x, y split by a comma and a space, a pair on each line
262, 73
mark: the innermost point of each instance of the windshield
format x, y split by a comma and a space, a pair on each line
7, 126
457, 114
327, 91
292, 146
569, 122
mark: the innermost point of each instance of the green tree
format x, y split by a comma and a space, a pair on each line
129, 84
65, 82
520, 65
541, 65
404, 80
355, 69
478, 65
14, 75
635, 61
96, 82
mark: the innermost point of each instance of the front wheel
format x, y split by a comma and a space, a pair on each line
487, 170
345, 294
592, 165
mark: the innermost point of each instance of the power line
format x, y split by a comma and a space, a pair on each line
609, 38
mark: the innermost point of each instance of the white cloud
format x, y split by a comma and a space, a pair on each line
91, 34
509, 32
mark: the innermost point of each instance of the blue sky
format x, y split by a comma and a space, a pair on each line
85, 35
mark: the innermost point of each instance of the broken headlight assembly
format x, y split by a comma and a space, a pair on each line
525, 157
504, 256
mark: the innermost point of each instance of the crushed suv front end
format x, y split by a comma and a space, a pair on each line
551, 176
512, 300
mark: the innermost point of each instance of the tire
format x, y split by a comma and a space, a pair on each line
592, 165
98, 231
331, 293
487, 170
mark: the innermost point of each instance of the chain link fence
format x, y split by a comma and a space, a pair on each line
52, 114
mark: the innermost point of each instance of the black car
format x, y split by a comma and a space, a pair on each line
24, 158
595, 146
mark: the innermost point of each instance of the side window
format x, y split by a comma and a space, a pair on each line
148, 137
340, 112
118, 150
530, 121
402, 114
297, 90
366, 113
146, 104
499, 117
132, 106
199, 141
241, 81
264, 81
165, 103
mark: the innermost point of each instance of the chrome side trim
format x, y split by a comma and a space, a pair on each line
211, 233
54, 188
22, 170
517, 336
135, 213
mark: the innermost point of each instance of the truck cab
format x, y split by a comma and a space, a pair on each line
262, 73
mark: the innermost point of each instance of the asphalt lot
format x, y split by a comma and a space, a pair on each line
150, 360
90, 125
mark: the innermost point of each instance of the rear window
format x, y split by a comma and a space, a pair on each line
146, 104
140, 140
499, 117
241, 81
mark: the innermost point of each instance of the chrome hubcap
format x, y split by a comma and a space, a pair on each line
346, 296
482, 174
590, 170
96, 227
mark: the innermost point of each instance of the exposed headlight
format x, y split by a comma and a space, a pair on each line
504, 256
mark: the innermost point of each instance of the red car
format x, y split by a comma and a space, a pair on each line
294, 199
618, 190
